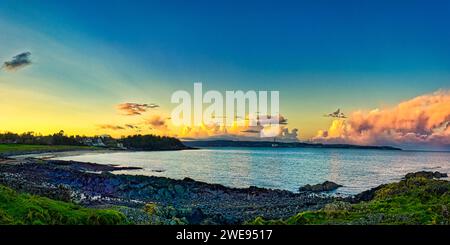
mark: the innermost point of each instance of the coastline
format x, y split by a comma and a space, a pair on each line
93, 185
271, 144
170, 201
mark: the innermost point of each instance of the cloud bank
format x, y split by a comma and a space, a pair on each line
421, 122
157, 121
17, 62
279, 132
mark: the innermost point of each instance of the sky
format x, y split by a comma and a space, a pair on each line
84, 64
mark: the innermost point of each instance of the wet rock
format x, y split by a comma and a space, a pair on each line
114, 181
179, 190
163, 193
426, 174
196, 216
180, 201
323, 187
87, 166
365, 195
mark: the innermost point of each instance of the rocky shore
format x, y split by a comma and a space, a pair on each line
420, 198
171, 201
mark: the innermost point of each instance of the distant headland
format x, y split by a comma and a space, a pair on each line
233, 143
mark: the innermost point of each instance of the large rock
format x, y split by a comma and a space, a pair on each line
365, 195
426, 174
179, 190
196, 216
325, 186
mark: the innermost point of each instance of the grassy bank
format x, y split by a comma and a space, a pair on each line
410, 201
16, 208
12, 149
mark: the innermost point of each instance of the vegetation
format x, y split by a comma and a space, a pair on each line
152, 142
18, 208
415, 200
31, 138
160, 215
135, 142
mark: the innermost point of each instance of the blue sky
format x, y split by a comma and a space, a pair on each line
263, 36
320, 54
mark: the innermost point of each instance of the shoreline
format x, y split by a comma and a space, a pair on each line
94, 185
54, 154
176, 201
162, 200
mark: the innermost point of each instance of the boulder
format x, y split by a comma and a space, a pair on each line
179, 190
365, 195
426, 174
323, 187
196, 216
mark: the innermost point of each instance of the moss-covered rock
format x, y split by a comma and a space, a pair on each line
426, 174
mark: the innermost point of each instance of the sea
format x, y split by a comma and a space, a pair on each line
277, 168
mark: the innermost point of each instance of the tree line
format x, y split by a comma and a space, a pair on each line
37, 139
134, 142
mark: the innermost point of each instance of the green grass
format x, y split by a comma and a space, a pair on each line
22, 148
412, 201
20, 208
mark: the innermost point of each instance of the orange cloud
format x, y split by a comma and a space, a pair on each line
244, 132
157, 122
131, 109
424, 120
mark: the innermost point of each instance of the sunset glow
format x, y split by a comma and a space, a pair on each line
92, 83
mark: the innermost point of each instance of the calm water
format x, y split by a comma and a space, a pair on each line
279, 168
